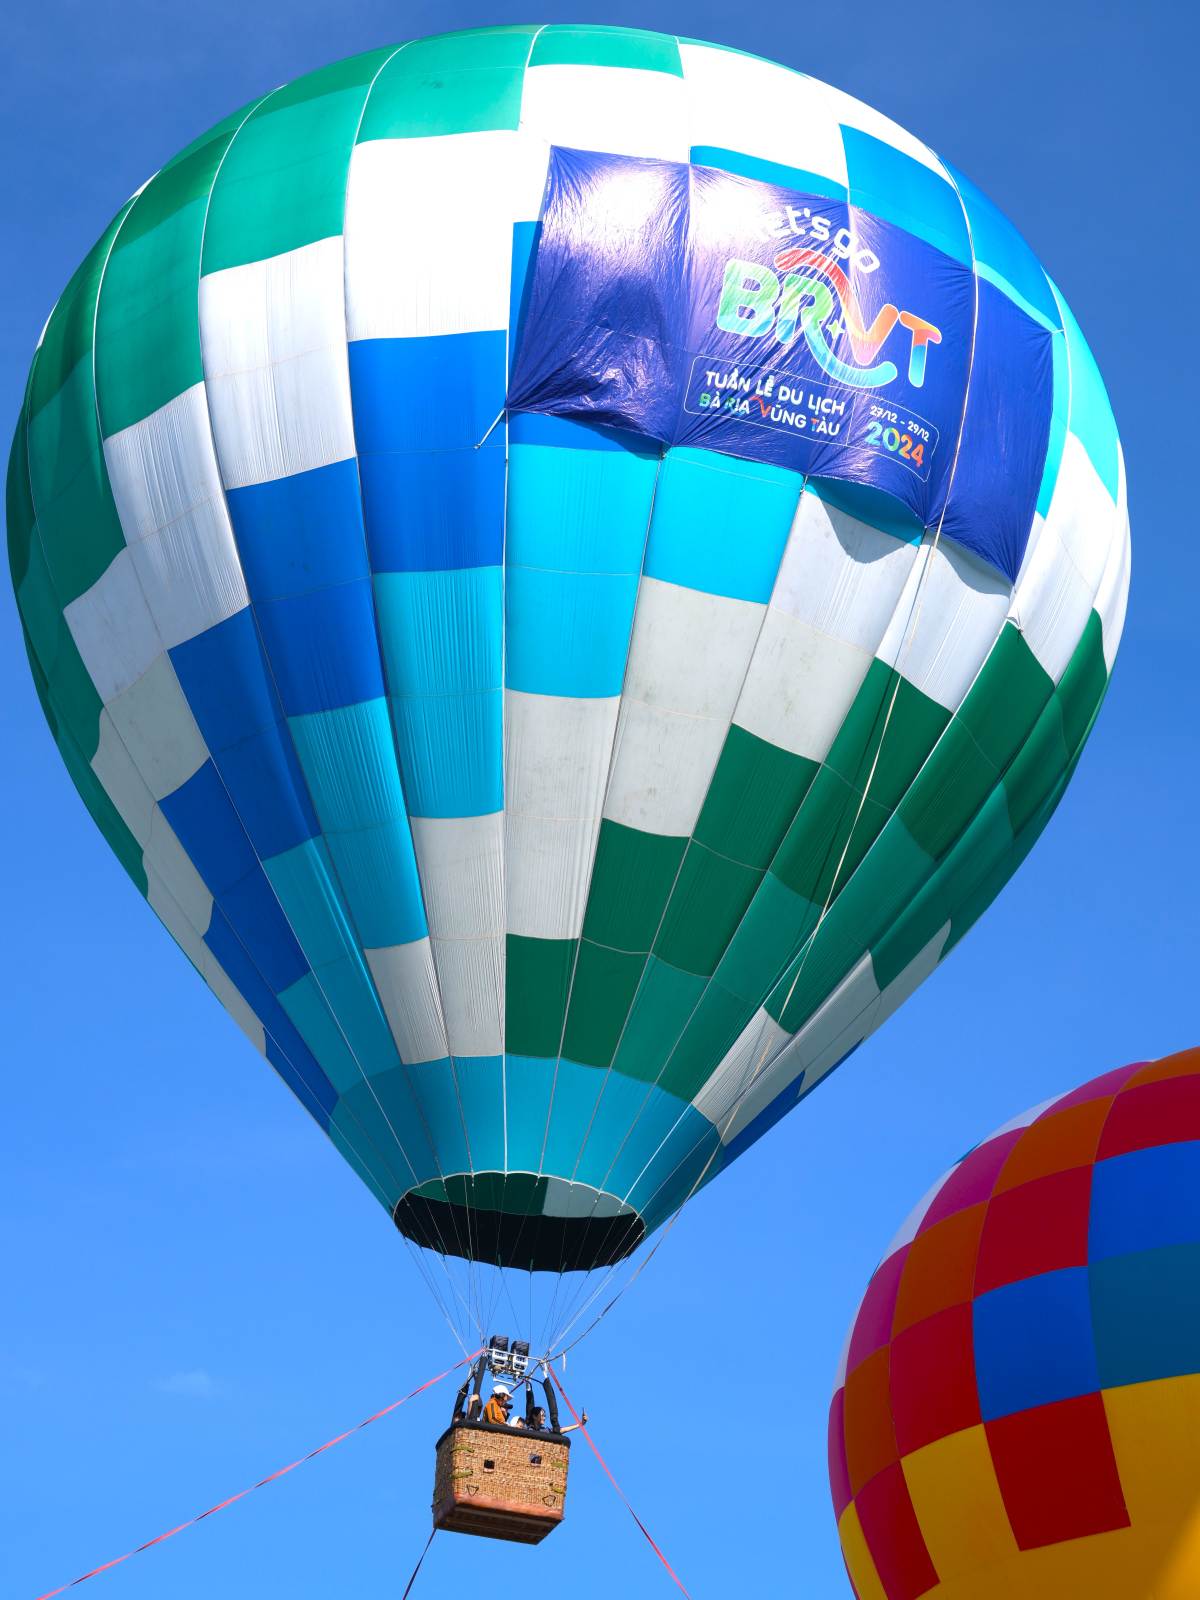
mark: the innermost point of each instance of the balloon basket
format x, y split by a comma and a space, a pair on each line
500, 1483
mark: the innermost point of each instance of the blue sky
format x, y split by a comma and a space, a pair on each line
197, 1288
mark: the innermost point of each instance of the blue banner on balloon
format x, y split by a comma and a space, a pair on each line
703, 308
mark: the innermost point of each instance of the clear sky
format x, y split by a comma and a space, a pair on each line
197, 1289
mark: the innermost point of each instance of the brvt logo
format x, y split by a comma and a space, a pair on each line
810, 295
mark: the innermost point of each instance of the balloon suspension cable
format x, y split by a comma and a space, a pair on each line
417, 1568
646, 1534
271, 1477
492, 429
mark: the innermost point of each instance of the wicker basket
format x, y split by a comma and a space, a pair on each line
500, 1483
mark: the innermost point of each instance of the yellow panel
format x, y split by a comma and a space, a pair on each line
1155, 1431
858, 1558
958, 1504
1106, 1566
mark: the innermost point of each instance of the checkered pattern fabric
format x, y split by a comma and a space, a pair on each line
1020, 1407
497, 781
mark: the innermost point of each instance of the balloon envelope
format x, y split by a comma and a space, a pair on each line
554, 802
1019, 1407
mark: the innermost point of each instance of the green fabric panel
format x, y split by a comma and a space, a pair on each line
283, 181
537, 979
830, 835
1032, 774
72, 500
601, 995
76, 701
754, 795
386, 1181
769, 936
948, 791
872, 899
660, 1012
606, 47
712, 1032
18, 503
985, 842
914, 724
1083, 684
147, 321
708, 902
1006, 698
631, 883
455, 83
369, 1177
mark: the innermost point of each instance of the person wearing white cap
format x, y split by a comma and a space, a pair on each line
500, 1404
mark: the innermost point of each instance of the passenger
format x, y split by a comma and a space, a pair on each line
571, 1426
474, 1402
539, 1419
499, 1406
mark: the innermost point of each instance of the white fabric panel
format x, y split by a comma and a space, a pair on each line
564, 1198
1112, 597
222, 986
556, 759
842, 576
156, 724
946, 621
1051, 602
168, 494
113, 629
273, 336
461, 864
470, 976
186, 935
688, 656
406, 982
460, 860
408, 272
800, 685
1082, 509
751, 1053
626, 110
122, 782
742, 103
852, 1012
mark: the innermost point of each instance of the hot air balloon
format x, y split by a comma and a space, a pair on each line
570, 566
1019, 1407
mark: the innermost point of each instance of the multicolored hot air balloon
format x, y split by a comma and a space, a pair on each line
1019, 1410
557, 774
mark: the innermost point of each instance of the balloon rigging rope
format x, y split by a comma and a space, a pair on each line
271, 1477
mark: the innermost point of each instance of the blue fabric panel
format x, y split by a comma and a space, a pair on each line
306, 1006
322, 647
349, 759
1000, 248
443, 650
386, 1111
1144, 1200
434, 1086
263, 776
1146, 1312
893, 186
203, 819
708, 155
437, 393
631, 1121
676, 1169
428, 510
1058, 422
1002, 456
350, 992
529, 1080
721, 525
568, 632
302, 1072
1091, 419
532, 427
481, 1088
255, 914
1015, 1370
301, 532
573, 510
766, 1119
524, 243
226, 681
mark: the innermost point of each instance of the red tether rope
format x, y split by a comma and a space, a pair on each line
262, 1482
608, 1474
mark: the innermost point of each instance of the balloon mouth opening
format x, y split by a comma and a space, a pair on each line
520, 1219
